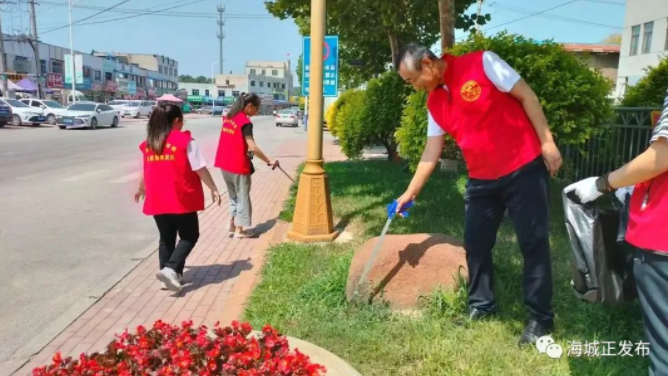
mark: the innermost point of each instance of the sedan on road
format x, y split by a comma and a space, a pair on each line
287, 117
88, 115
24, 114
136, 109
51, 108
118, 105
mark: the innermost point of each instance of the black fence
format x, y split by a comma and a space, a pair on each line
618, 143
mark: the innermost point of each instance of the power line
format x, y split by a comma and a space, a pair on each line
606, 2
554, 17
87, 18
525, 17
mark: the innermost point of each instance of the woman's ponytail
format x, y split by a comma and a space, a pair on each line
160, 124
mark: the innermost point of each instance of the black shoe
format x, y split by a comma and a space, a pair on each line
532, 332
477, 315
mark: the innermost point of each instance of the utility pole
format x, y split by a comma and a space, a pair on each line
221, 33
3, 63
74, 97
35, 46
478, 28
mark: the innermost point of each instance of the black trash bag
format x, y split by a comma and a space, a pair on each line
602, 266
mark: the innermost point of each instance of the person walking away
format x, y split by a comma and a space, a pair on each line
648, 213
235, 148
497, 121
171, 186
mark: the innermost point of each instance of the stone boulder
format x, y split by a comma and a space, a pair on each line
407, 267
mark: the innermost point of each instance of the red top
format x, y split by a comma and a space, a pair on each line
648, 215
490, 126
232, 155
172, 187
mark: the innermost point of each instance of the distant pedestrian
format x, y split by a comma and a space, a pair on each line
235, 149
171, 184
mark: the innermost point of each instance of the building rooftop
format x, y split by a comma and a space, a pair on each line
591, 47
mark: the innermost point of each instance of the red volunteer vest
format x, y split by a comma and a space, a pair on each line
647, 226
172, 187
232, 155
490, 126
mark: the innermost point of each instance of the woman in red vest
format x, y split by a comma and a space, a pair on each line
235, 149
171, 184
648, 217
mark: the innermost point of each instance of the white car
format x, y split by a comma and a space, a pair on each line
287, 117
136, 109
117, 105
51, 108
24, 114
88, 115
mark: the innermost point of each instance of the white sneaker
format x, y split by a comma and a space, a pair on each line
170, 279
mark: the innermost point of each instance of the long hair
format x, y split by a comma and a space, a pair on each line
160, 124
242, 101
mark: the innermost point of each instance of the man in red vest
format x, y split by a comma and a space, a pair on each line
497, 121
648, 215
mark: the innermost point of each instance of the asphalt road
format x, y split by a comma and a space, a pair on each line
67, 217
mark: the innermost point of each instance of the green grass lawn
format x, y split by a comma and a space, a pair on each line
302, 293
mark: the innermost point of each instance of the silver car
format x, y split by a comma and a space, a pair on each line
287, 117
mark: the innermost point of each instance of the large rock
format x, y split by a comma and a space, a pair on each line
406, 268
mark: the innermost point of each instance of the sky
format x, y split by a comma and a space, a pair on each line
252, 34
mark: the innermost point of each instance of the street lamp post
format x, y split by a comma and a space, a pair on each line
213, 81
313, 220
72, 77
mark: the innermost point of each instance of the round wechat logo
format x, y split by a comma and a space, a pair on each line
547, 346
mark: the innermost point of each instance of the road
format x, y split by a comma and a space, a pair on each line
67, 218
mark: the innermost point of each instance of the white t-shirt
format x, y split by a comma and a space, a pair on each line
502, 75
661, 129
195, 157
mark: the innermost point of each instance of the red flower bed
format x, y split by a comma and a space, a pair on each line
170, 350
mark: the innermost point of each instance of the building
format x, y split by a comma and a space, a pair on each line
644, 40
236, 83
270, 79
104, 77
199, 94
156, 63
601, 57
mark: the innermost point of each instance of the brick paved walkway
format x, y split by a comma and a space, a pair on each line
219, 275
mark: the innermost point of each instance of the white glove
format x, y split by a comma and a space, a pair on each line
585, 190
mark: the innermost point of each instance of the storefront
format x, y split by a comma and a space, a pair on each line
54, 82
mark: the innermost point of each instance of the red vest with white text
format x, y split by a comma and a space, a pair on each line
490, 126
232, 155
648, 215
172, 187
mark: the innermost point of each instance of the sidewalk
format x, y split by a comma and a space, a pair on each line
219, 275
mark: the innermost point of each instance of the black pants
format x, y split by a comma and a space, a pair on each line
174, 255
651, 274
525, 194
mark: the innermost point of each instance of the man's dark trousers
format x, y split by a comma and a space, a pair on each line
525, 194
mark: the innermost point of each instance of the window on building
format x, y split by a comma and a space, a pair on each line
252, 71
160, 69
98, 75
196, 92
252, 83
227, 82
635, 40
648, 31
264, 72
221, 93
206, 92
108, 76
235, 93
56, 66
86, 72
21, 64
261, 83
176, 71
274, 72
283, 86
42, 66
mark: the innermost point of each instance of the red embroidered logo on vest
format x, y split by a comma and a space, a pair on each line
471, 91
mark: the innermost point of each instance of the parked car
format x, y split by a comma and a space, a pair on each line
205, 110
51, 108
117, 105
88, 115
287, 117
24, 114
136, 109
5, 114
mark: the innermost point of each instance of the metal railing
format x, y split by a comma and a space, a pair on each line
615, 145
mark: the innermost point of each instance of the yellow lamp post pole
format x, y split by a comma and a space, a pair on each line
313, 221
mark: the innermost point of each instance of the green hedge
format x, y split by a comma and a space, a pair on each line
650, 91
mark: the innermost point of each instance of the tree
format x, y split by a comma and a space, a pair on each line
446, 11
371, 31
650, 91
300, 69
615, 38
194, 80
186, 78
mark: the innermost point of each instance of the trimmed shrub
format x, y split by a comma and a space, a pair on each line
349, 125
650, 91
